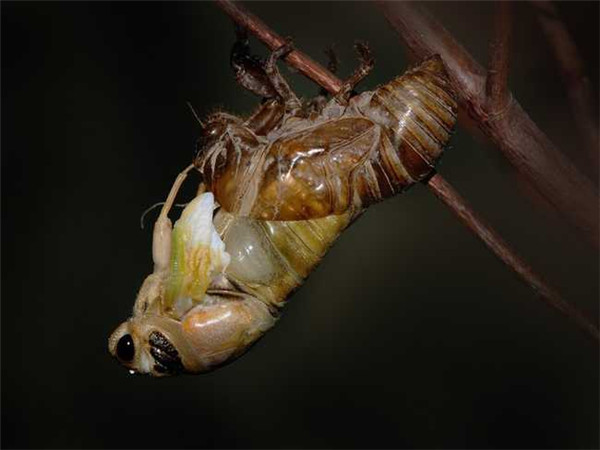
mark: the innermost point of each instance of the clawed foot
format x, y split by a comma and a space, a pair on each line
366, 63
249, 69
292, 103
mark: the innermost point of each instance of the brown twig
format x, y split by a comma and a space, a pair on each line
528, 149
303, 63
437, 184
573, 73
496, 86
459, 206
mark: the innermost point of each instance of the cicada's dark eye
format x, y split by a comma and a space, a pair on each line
125, 348
210, 134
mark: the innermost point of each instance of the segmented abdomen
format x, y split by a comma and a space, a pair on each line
417, 112
269, 259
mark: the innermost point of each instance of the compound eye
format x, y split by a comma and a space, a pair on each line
210, 135
213, 130
125, 348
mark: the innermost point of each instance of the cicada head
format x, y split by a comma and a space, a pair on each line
211, 334
188, 316
213, 129
149, 345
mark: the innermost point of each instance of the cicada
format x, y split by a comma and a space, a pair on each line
278, 188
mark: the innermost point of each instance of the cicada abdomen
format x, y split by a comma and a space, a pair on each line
417, 113
349, 157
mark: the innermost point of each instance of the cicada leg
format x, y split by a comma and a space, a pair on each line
332, 63
292, 103
201, 189
315, 105
249, 69
366, 65
161, 237
267, 117
250, 73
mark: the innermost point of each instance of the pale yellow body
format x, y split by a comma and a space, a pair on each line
266, 260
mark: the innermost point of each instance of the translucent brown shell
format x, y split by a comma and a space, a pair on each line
351, 156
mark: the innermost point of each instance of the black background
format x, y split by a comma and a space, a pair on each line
410, 333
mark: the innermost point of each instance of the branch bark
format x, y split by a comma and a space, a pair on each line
440, 187
459, 206
496, 87
573, 73
302, 62
527, 148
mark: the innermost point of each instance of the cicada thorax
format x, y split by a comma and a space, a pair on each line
379, 144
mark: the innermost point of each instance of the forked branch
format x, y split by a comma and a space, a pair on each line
526, 147
459, 206
441, 188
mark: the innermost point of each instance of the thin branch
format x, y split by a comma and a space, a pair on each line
459, 206
527, 148
304, 63
496, 87
437, 184
573, 73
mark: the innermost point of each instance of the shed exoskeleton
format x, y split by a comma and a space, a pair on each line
278, 189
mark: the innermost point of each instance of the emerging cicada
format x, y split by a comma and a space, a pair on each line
278, 189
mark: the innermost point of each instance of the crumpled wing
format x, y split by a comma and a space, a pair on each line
197, 255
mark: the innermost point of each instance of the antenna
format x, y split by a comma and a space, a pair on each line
195, 114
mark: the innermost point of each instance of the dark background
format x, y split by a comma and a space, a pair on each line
410, 333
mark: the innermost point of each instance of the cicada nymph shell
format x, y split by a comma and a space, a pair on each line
381, 143
282, 185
